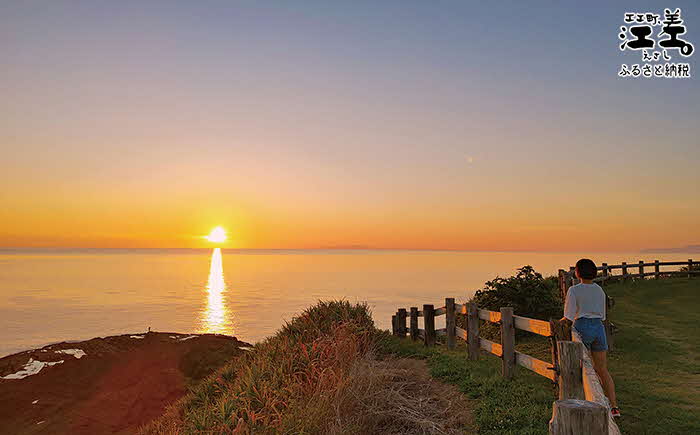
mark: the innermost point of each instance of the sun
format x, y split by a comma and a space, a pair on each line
217, 235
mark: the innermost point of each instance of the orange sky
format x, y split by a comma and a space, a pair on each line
143, 127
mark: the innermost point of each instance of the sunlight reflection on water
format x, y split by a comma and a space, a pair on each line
215, 317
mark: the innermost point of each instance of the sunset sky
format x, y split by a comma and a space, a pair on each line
392, 124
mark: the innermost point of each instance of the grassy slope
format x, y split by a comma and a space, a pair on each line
286, 385
656, 362
656, 365
319, 374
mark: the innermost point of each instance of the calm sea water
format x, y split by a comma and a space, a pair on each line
54, 295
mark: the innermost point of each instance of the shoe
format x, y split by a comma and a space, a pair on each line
615, 412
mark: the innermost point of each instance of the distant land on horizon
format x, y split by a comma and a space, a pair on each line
688, 249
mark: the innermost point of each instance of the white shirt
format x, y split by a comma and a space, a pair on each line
585, 300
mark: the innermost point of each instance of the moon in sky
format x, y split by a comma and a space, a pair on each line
217, 235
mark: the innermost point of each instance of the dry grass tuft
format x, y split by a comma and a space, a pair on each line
398, 396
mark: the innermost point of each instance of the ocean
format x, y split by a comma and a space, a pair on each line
52, 295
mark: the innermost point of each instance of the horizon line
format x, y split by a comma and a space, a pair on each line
686, 249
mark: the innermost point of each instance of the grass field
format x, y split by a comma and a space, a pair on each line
656, 362
656, 366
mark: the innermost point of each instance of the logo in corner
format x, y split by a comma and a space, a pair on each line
657, 40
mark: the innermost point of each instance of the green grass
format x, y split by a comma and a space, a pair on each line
520, 406
656, 360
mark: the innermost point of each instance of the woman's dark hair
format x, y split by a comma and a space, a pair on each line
586, 268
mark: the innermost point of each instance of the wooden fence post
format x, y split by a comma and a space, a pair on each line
393, 325
578, 417
641, 269
401, 318
570, 370
429, 324
507, 342
605, 271
690, 268
562, 284
555, 336
414, 323
450, 322
473, 331
624, 270
656, 269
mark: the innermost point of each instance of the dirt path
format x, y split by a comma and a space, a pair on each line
398, 396
119, 384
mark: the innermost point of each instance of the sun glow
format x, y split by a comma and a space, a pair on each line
217, 235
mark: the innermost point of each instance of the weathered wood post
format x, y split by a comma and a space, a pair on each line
557, 334
414, 323
624, 270
473, 331
641, 269
429, 325
393, 325
553, 346
562, 284
401, 318
573, 417
605, 271
656, 269
690, 268
508, 342
570, 370
450, 322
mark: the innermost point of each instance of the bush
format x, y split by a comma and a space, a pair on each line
527, 292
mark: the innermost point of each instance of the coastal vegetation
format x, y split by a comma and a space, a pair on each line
320, 373
330, 370
527, 292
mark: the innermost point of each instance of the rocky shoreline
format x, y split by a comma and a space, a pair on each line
105, 385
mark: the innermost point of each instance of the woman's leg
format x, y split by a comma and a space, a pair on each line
600, 364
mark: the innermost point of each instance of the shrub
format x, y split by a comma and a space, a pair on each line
527, 292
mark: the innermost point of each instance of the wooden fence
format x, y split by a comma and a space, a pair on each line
505, 350
579, 409
568, 278
582, 406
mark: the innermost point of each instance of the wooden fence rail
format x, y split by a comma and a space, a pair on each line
592, 387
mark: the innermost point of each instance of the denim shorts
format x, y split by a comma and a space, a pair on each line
592, 333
